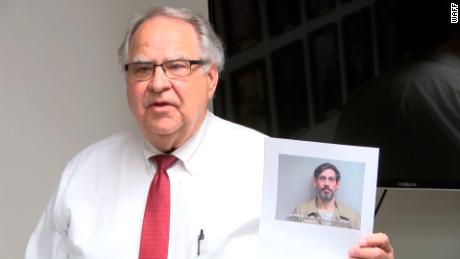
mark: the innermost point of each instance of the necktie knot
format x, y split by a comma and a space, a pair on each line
164, 161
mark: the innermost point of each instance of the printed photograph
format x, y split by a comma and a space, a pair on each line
321, 188
320, 191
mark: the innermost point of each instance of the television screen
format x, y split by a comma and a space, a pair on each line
380, 73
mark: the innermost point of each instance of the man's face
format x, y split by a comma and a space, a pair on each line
171, 109
326, 185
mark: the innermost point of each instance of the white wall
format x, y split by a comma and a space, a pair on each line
60, 90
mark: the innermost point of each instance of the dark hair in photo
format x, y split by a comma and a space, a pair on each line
325, 166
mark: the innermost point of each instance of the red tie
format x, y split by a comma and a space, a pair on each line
155, 229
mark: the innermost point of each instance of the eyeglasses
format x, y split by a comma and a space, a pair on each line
173, 69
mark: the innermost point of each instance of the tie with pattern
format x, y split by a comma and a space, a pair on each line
155, 229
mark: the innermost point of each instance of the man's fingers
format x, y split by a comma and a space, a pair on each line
375, 246
368, 252
380, 240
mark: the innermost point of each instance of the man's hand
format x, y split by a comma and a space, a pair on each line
374, 246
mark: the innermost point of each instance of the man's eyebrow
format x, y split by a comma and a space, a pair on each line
142, 59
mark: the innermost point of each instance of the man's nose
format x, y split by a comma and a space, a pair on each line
159, 81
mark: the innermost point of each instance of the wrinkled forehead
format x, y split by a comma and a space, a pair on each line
164, 34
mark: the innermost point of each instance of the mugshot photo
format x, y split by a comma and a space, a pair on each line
320, 191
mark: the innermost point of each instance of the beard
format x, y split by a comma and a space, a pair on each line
326, 197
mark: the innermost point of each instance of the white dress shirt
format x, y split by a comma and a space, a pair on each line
216, 186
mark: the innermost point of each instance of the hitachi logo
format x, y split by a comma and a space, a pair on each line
407, 184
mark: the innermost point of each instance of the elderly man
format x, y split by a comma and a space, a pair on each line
187, 185
324, 209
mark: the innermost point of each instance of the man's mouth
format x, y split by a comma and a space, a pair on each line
160, 104
159, 107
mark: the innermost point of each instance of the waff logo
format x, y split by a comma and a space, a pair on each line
453, 13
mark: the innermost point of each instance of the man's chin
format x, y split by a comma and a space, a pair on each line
326, 198
162, 131
163, 126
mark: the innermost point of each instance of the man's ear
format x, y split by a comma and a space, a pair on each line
213, 79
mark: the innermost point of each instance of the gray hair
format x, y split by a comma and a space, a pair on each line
211, 47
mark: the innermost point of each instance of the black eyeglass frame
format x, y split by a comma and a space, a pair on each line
190, 62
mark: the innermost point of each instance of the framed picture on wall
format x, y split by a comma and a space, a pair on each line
242, 23
290, 87
346, 1
316, 8
282, 16
250, 99
357, 39
325, 72
389, 42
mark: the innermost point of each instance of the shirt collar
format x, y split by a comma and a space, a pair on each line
183, 153
312, 209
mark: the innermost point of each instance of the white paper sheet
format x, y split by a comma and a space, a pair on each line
288, 176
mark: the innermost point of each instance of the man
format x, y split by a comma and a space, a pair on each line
324, 209
102, 206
